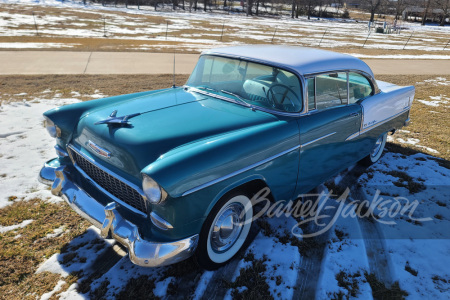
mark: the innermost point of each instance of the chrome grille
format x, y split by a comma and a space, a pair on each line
111, 184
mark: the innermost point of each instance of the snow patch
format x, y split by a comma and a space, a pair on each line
4, 229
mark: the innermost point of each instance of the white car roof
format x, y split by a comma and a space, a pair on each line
301, 59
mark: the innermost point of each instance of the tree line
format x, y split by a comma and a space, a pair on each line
415, 10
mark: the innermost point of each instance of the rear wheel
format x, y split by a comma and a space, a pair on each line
377, 151
225, 231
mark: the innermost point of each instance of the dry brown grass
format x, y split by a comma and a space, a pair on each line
22, 250
92, 20
110, 85
429, 124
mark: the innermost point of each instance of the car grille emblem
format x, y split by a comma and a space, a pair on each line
114, 120
99, 150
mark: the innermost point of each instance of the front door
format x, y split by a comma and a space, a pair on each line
323, 132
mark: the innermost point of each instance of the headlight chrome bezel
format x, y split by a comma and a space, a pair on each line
153, 191
52, 129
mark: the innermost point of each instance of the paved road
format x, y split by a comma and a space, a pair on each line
65, 62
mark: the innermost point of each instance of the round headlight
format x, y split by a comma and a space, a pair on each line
151, 189
52, 129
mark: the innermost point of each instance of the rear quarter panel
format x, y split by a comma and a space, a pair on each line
392, 101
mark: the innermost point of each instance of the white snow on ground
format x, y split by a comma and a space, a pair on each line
402, 56
412, 141
423, 246
436, 101
4, 229
17, 45
346, 254
435, 82
24, 147
329, 33
57, 288
202, 285
282, 260
56, 232
86, 247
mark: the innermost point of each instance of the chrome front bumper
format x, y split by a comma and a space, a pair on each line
112, 224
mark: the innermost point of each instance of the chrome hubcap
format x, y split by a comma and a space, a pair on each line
377, 147
228, 227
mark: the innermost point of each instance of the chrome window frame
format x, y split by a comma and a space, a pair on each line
375, 89
299, 76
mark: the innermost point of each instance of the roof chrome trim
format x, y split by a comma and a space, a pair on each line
318, 139
257, 164
133, 186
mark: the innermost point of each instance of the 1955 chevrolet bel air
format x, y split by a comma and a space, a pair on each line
170, 173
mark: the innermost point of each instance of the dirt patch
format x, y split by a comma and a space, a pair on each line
380, 291
251, 282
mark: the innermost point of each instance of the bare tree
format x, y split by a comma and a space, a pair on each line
294, 4
425, 12
249, 7
443, 5
399, 8
372, 6
308, 6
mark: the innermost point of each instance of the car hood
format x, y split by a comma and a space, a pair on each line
166, 120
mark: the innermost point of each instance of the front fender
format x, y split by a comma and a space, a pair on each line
184, 169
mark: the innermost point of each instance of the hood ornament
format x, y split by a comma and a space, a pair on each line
113, 120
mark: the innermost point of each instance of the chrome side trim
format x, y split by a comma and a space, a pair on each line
111, 224
112, 174
61, 152
373, 126
352, 136
160, 222
257, 164
318, 139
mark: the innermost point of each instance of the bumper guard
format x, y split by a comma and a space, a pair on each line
112, 224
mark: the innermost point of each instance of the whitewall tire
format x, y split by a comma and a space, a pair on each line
225, 231
377, 151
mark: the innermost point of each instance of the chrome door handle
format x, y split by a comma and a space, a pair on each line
354, 114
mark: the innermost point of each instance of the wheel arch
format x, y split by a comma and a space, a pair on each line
248, 186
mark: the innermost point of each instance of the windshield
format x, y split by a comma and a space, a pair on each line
248, 82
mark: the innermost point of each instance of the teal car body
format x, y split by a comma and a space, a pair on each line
197, 143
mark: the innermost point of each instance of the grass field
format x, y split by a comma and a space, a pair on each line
96, 28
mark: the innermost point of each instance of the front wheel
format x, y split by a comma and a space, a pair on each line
225, 231
377, 151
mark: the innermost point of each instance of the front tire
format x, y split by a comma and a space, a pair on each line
377, 151
225, 231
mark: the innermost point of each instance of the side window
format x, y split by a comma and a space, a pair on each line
360, 87
311, 94
331, 90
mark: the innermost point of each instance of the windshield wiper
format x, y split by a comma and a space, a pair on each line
206, 88
241, 100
